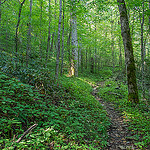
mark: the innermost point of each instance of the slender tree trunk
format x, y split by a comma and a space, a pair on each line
62, 54
127, 41
142, 51
55, 34
17, 26
80, 49
92, 65
59, 30
40, 41
52, 42
89, 60
95, 47
86, 59
120, 53
81, 62
68, 45
49, 33
74, 40
112, 41
29, 36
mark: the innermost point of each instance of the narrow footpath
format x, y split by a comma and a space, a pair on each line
118, 131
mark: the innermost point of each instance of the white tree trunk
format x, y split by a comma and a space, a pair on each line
74, 40
59, 30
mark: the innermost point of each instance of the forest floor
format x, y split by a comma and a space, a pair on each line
118, 132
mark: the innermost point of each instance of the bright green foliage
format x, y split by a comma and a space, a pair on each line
76, 117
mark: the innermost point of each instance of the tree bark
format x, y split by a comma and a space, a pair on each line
59, 30
129, 57
74, 40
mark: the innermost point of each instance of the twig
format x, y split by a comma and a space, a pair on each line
26, 132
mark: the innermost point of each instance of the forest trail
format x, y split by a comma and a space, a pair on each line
118, 131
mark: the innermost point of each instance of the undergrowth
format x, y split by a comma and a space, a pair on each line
67, 115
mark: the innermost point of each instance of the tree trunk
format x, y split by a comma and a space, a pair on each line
120, 53
17, 26
80, 49
29, 36
95, 47
49, 33
74, 40
92, 65
40, 41
52, 42
112, 41
129, 57
68, 45
81, 62
142, 51
86, 60
62, 53
59, 30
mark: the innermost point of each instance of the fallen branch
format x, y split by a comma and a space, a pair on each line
26, 132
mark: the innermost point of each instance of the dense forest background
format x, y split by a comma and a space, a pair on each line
52, 52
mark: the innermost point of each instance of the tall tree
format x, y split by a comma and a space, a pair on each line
142, 48
59, 30
41, 16
62, 53
17, 26
74, 40
29, 36
112, 41
95, 46
49, 33
129, 57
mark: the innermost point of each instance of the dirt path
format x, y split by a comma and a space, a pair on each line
118, 131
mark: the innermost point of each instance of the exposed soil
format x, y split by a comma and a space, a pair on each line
118, 132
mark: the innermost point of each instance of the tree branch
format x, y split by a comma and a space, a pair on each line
26, 132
